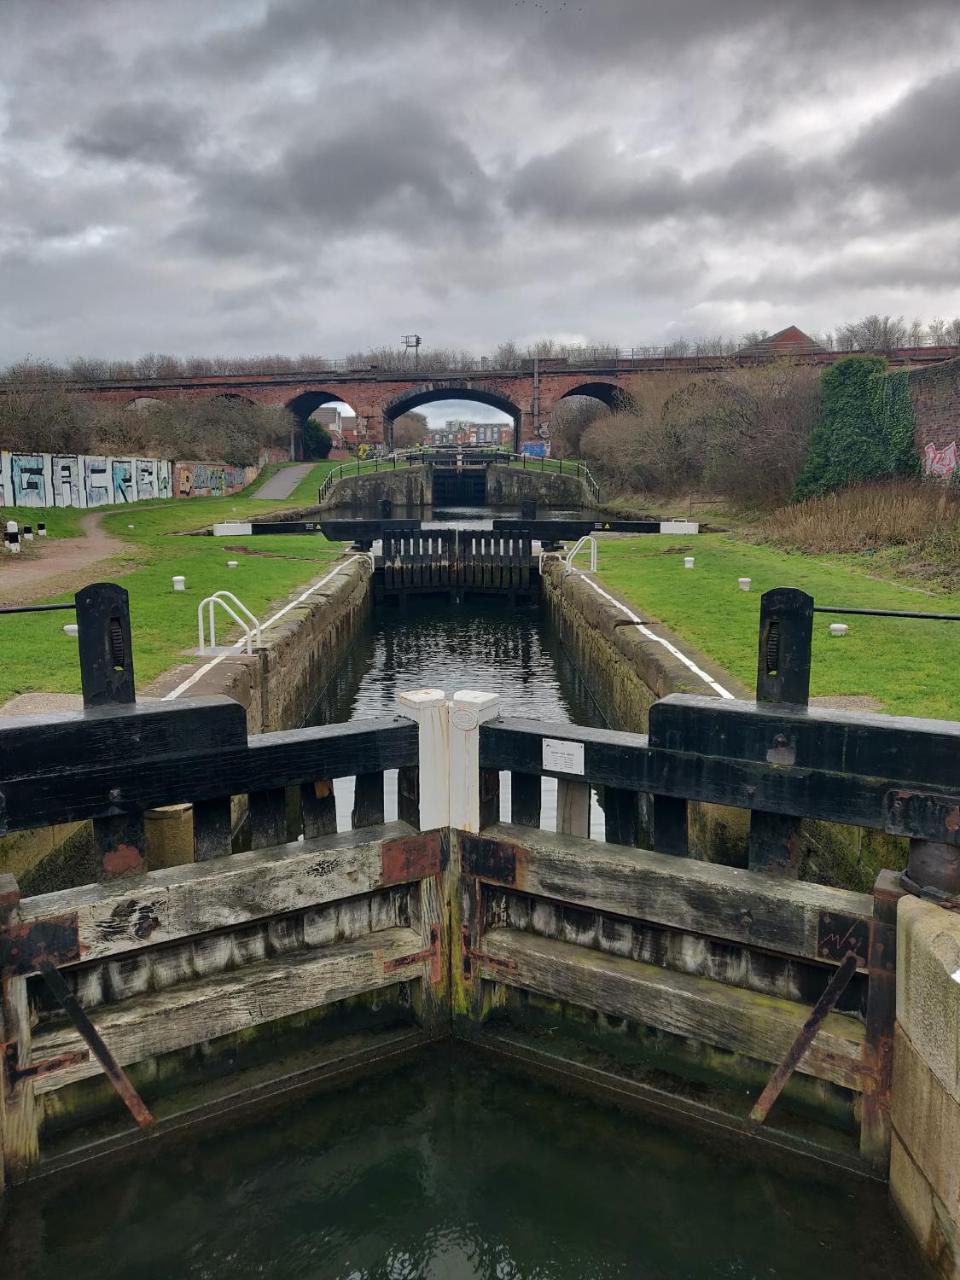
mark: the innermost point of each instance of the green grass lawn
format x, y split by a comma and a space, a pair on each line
36, 655
908, 666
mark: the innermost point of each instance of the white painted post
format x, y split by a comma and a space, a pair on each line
430, 709
468, 710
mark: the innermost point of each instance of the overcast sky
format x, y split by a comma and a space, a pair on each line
325, 175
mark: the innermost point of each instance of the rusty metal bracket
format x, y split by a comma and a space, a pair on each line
927, 815
45, 1067
470, 955
432, 953
115, 1073
832, 993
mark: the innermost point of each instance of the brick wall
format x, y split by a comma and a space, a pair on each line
935, 392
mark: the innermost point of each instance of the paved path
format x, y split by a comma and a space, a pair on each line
284, 482
56, 564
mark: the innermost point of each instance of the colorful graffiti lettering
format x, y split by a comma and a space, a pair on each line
85, 480
940, 462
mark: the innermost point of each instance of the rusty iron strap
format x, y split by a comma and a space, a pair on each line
832, 993
115, 1073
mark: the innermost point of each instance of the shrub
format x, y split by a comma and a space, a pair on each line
882, 514
864, 430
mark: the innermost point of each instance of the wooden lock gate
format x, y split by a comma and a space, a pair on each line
447, 920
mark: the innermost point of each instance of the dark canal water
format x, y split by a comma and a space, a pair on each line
488, 646
448, 1170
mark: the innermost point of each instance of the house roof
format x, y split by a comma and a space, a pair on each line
790, 341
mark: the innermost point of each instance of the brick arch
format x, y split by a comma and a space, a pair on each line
408, 402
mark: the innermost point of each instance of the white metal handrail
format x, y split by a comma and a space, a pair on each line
226, 600
587, 539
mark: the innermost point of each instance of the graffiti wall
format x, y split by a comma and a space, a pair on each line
83, 480
209, 479
80, 480
940, 462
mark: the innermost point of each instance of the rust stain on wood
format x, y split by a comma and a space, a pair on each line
125, 859
495, 860
411, 858
24, 948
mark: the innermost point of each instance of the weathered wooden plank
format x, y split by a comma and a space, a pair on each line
628, 760
55, 741
697, 897
906, 748
268, 760
198, 1011
212, 828
268, 818
319, 808
761, 1027
195, 898
875, 1124
573, 808
622, 822
368, 800
525, 799
19, 1140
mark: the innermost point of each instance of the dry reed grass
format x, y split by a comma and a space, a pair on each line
890, 513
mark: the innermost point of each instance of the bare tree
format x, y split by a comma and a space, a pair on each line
937, 332
409, 430
873, 333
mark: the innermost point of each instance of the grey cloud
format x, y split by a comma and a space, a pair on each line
914, 148
587, 181
153, 132
399, 171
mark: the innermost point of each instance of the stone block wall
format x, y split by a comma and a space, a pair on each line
925, 1155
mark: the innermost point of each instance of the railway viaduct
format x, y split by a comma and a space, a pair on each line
527, 394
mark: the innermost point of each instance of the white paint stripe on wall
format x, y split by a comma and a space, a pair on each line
651, 635
191, 680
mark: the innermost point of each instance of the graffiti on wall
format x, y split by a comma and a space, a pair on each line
80, 480
940, 462
210, 479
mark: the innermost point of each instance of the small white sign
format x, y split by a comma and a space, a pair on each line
563, 757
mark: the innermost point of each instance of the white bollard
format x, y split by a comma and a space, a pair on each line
28, 533
430, 709
838, 628
71, 629
179, 582
688, 562
468, 710
744, 584
11, 537
41, 530
129, 526
232, 564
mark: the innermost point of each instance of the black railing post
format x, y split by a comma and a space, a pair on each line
105, 645
783, 676
106, 677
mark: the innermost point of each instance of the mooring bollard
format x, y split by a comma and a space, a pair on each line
838, 628
11, 537
71, 629
179, 582
41, 529
232, 564
28, 533
744, 583
688, 562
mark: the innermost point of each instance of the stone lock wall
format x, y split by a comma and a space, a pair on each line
925, 1154
405, 487
508, 486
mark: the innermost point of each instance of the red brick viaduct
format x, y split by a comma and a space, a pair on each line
528, 394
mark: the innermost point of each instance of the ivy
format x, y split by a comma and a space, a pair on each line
864, 430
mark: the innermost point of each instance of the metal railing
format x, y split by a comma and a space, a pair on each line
230, 604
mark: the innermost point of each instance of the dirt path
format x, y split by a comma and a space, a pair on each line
48, 567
